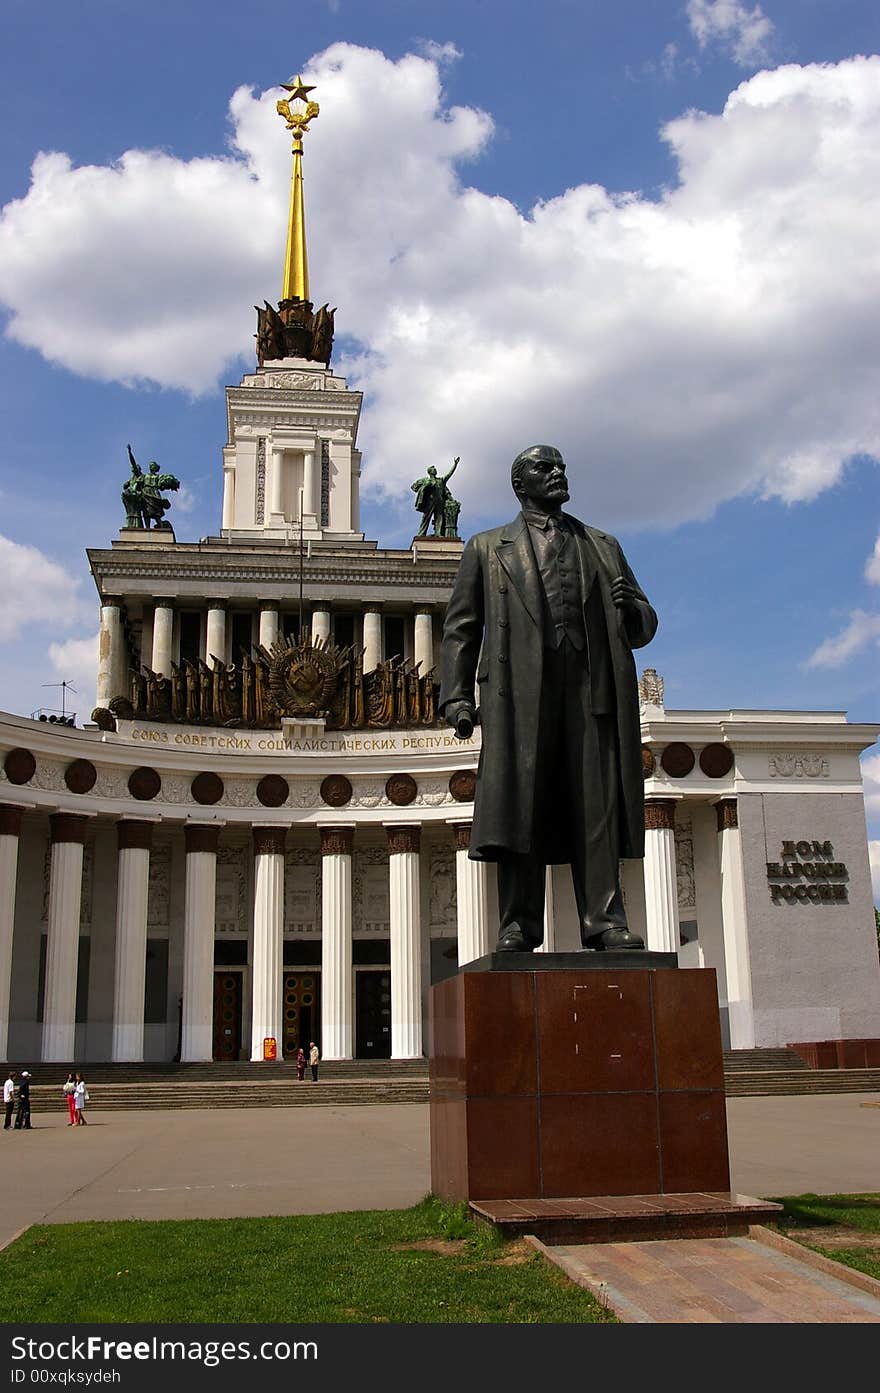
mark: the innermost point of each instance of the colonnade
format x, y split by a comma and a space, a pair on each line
113, 655
134, 841
475, 933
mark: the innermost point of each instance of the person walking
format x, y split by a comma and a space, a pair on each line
314, 1057
23, 1115
80, 1098
300, 1064
9, 1100
69, 1091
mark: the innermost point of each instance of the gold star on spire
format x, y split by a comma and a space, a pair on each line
298, 91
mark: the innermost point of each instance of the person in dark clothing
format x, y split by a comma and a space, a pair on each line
23, 1115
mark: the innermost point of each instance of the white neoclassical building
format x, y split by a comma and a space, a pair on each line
261, 837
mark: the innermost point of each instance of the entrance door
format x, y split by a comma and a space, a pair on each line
373, 1015
300, 1014
227, 1014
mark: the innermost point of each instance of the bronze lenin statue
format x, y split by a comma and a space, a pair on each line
551, 612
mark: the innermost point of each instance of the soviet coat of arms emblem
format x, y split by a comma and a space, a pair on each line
303, 676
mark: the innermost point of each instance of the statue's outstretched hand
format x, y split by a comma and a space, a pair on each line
462, 716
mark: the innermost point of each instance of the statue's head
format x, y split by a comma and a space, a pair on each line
538, 477
154, 468
432, 471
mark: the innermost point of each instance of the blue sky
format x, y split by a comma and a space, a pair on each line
646, 232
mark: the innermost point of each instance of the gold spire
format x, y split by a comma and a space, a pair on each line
296, 266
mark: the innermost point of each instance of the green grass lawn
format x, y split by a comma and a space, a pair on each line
810, 1214
340, 1268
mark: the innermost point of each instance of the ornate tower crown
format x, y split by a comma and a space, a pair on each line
294, 330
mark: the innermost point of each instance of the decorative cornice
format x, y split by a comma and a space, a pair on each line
134, 836
659, 814
726, 814
67, 827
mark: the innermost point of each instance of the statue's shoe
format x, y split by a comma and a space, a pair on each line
513, 940
613, 940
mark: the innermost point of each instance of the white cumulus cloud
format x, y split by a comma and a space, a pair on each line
862, 630
719, 340
872, 566
76, 661
35, 590
742, 31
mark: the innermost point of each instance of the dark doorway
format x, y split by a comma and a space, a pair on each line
300, 1011
373, 1015
227, 1014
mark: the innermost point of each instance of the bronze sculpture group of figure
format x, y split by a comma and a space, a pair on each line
436, 504
142, 497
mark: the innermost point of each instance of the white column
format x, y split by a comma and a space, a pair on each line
132, 890
321, 624
423, 647
372, 639
215, 637
62, 945
276, 486
549, 943
309, 510
228, 517
471, 897
10, 832
111, 650
737, 968
406, 938
268, 938
268, 624
197, 1037
661, 886
337, 978
163, 629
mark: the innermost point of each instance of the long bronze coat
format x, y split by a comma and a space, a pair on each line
498, 594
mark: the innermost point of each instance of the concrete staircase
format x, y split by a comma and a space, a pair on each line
343, 1083
752, 1073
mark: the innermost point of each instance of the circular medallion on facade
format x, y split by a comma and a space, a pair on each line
716, 760
272, 791
649, 763
19, 766
678, 760
81, 776
144, 784
207, 788
401, 789
462, 785
336, 790
303, 679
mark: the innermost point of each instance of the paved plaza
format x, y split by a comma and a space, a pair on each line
218, 1164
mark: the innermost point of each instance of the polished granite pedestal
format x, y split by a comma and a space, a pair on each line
561, 1077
